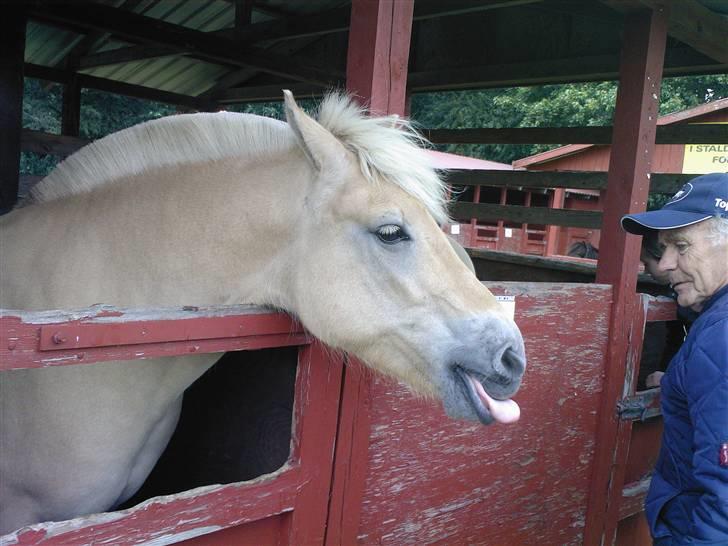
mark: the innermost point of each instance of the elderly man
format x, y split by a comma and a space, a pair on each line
688, 498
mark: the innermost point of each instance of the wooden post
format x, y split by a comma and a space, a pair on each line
633, 144
71, 109
243, 13
12, 57
553, 232
376, 73
376, 63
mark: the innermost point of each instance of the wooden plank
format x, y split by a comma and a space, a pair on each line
316, 416
433, 480
679, 61
272, 530
28, 339
628, 184
261, 93
48, 143
12, 50
659, 182
666, 134
174, 518
527, 215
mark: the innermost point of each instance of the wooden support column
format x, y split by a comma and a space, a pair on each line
379, 38
71, 109
243, 13
553, 232
633, 144
376, 63
12, 52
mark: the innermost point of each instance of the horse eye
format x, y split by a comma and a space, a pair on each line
391, 234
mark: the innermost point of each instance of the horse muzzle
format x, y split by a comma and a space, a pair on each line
482, 376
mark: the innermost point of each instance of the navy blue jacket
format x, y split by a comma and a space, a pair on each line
688, 498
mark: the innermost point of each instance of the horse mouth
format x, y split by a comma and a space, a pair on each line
487, 408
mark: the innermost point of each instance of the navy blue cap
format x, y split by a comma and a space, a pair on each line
701, 198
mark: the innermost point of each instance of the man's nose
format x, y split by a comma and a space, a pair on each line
668, 261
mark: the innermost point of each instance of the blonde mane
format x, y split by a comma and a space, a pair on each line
386, 147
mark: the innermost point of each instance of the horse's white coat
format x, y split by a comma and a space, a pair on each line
224, 209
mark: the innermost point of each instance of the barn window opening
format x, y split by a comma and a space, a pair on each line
235, 424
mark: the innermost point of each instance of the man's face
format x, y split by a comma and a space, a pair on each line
696, 265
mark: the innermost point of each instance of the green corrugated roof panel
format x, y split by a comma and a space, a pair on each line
195, 14
176, 74
46, 45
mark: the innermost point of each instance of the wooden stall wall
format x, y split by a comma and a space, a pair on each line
432, 480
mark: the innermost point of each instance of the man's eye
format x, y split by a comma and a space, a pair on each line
391, 234
682, 247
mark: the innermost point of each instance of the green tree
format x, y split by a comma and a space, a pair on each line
569, 105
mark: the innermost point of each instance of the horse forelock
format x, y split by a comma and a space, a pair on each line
169, 141
387, 148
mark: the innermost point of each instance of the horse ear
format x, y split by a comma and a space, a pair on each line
319, 145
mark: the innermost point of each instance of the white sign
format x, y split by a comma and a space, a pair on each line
706, 158
455, 229
509, 232
509, 305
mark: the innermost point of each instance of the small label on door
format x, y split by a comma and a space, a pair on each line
509, 305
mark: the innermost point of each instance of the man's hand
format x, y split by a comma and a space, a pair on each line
653, 380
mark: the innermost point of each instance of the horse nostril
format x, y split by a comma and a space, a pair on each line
513, 363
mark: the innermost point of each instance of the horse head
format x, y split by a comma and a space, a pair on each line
377, 277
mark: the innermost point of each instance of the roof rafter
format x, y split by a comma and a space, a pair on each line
554, 71
207, 46
286, 28
688, 21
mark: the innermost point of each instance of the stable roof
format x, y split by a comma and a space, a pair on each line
205, 53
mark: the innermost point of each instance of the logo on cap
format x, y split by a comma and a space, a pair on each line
681, 194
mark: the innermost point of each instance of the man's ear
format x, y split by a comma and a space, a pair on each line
322, 149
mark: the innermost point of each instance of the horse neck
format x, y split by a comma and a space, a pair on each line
240, 217
200, 234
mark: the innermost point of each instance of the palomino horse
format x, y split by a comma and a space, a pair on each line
334, 221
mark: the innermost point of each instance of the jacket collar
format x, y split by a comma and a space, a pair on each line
720, 294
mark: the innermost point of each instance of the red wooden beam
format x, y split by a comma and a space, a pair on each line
627, 188
55, 338
376, 64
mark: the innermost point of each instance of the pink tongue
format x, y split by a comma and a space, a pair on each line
503, 411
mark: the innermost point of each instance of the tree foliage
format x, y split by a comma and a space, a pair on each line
569, 105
